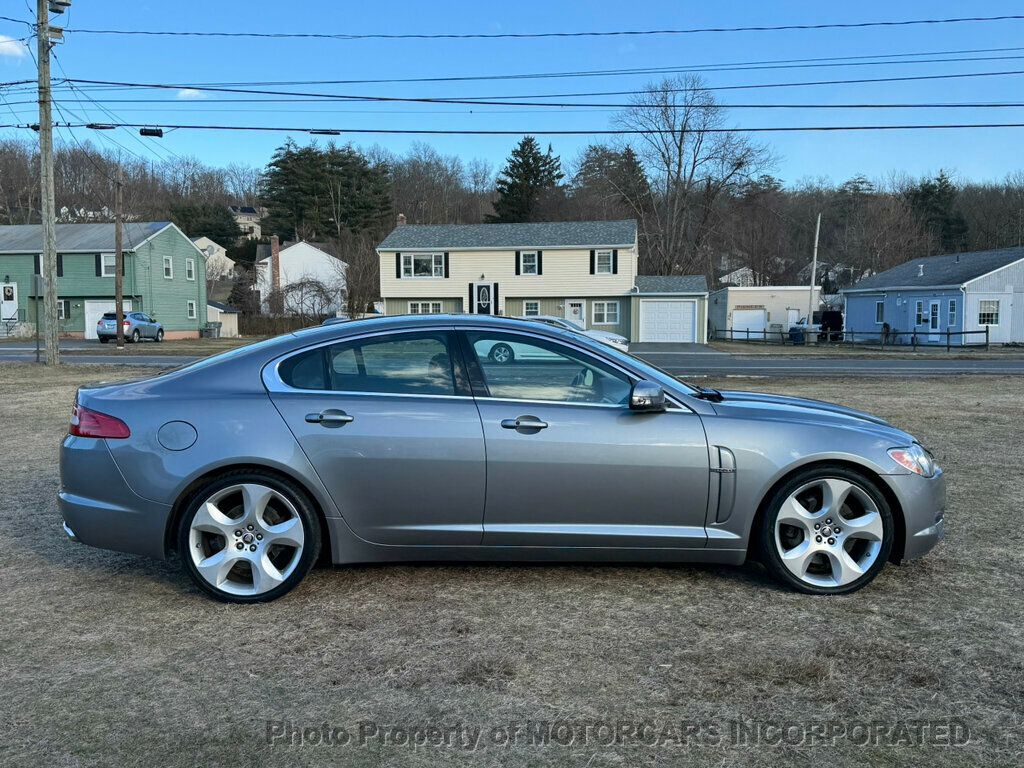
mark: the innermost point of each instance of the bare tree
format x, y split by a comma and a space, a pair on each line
359, 266
692, 160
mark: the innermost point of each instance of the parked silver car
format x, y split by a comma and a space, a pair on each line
393, 439
137, 326
614, 339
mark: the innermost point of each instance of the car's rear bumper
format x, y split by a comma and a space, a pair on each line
923, 500
100, 509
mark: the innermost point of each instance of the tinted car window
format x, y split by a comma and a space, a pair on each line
521, 368
405, 364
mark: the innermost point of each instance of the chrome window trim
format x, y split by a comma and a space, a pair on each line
273, 383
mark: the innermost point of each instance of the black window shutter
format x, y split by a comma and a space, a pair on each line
446, 264
540, 262
615, 262
37, 264
60, 265
398, 266
519, 255
494, 300
472, 303
99, 265
593, 260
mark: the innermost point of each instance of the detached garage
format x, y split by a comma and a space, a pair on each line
740, 313
670, 309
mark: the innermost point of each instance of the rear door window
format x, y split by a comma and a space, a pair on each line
399, 364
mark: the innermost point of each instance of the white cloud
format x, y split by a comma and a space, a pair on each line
190, 94
12, 48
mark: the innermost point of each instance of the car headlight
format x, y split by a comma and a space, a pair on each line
916, 459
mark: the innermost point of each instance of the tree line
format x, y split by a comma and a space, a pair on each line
707, 199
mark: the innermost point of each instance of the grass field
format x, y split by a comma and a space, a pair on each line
113, 659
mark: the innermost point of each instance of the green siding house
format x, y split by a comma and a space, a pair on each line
164, 276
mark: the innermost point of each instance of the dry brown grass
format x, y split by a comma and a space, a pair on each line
113, 659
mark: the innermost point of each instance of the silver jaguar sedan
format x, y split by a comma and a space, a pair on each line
399, 439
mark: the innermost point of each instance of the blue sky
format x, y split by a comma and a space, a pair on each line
984, 154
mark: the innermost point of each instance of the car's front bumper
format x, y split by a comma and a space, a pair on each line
923, 500
100, 509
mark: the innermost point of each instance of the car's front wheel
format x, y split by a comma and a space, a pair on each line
828, 530
502, 353
248, 537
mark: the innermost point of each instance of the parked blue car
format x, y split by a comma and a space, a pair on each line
137, 326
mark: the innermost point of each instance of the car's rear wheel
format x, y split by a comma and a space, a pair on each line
104, 339
248, 537
136, 336
828, 530
159, 335
502, 353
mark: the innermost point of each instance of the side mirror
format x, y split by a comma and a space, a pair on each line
647, 396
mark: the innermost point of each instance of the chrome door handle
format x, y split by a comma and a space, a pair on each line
524, 424
332, 417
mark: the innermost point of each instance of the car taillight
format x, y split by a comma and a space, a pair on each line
89, 423
125, 323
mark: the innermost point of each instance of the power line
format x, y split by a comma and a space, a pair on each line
557, 132
509, 100
539, 35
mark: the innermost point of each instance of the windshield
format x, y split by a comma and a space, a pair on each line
570, 324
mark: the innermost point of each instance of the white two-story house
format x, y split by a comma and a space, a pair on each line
584, 271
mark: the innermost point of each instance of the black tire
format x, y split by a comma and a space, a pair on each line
299, 499
767, 548
159, 335
104, 339
502, 354
136, 336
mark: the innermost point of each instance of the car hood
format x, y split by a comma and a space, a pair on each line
745, 404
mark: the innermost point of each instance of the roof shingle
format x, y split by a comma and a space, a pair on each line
552, 234
671, 284
28, 238
948, 269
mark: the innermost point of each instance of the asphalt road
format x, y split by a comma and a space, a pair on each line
681, 363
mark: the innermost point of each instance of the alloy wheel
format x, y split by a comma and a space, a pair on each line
246, 539
501, 353
829, 532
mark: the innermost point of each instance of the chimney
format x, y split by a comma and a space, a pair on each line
920, 270
401, 220
275, 274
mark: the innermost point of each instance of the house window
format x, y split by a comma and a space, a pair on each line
168, 268
952, 312
191, 310
879, 312
919, 313
63, 309
109, 265
603, 264
528, 263
531, 308
988, 312
190, 269
424, 307
423, 265
606, 312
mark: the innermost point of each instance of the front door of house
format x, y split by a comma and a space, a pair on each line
9, 302
485, 298
933, 321
576, 310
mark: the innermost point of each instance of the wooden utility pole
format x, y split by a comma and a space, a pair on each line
48, 207
814, 277
119, 256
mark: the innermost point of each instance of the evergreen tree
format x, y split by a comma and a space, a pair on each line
313, 193
528, 176
207, 220
934, 203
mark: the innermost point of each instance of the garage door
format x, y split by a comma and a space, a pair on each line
753, 320
668, 320
94, 311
